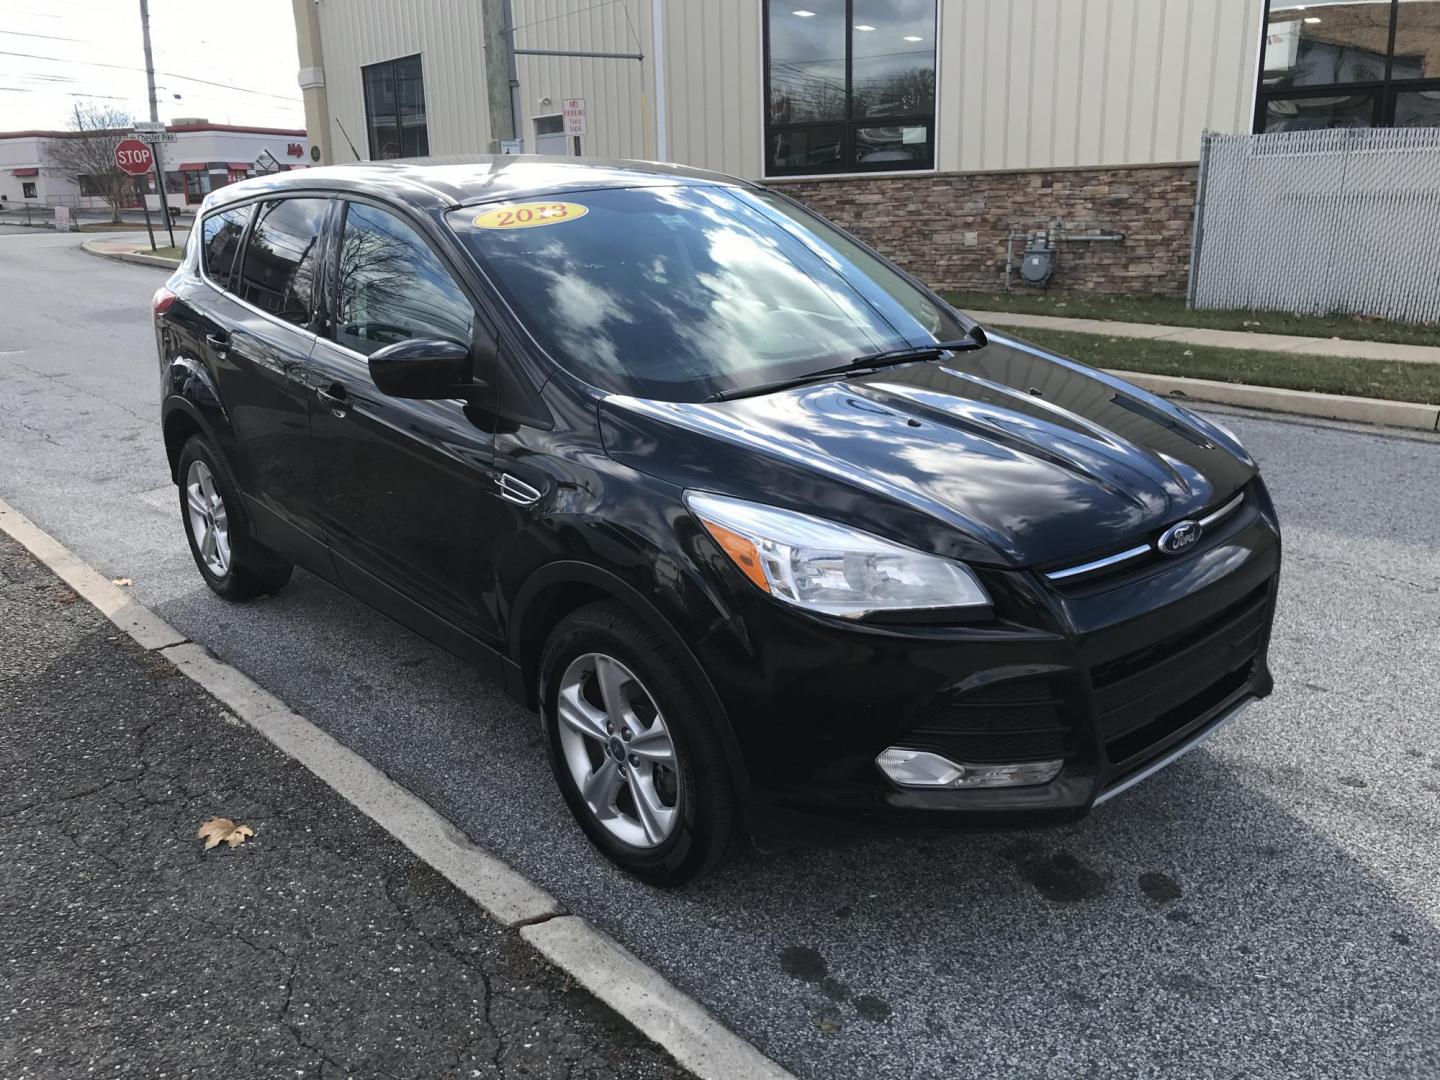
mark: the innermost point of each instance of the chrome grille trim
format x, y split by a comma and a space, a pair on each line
1224, 511
1099, 564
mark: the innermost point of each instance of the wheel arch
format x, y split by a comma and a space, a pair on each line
559, 588
191, 406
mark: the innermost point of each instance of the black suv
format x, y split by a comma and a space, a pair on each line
770, 535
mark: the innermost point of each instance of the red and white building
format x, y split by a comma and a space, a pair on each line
203, 157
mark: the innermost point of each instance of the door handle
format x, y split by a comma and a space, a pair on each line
218, 341
334, 398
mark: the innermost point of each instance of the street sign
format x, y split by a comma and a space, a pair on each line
575, 116
148, 125
133, 156
158, 138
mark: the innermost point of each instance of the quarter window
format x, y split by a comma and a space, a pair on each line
850, 85
220, 236
392, 287
281, 258
395, 109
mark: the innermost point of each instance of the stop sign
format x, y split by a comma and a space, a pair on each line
132, 156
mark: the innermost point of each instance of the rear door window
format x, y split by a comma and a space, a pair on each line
220, 237
391, 287
282, 258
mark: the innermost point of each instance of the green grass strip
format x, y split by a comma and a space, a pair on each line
1392, 381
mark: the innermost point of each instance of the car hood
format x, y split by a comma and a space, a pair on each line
1008, 454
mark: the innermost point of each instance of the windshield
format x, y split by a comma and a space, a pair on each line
678, 293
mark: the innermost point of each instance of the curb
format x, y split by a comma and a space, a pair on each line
646, 999
1400, 414
129, 257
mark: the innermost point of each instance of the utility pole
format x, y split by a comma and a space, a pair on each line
154, 119
495, 18
149, 60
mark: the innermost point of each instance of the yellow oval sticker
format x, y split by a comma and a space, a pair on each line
529, 215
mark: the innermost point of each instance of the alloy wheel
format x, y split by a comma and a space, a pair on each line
209, 523
619, 751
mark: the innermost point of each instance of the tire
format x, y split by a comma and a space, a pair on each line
240, 568
701, 819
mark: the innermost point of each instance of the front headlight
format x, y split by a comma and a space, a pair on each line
831, 568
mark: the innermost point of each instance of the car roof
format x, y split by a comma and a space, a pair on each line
447, 182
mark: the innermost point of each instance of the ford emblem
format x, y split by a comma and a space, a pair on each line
1181, 536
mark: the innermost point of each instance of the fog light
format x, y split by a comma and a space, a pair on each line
922, 769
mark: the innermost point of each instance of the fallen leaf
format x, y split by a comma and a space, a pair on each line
121, 581
222, 829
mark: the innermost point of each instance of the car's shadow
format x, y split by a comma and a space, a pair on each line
1223, 919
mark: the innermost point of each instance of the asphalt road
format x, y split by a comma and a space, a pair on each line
1268, 906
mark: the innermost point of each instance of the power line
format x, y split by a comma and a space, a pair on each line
47, 37
171, 74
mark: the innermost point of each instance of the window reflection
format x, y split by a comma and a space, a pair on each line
1418, 108
807, 61
391, 287
1417, 40
678, 293
220, 237
1330, 63
1316, 113
893, 65
281, 257
1320, 44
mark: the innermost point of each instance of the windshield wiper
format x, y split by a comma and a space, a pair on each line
864, 363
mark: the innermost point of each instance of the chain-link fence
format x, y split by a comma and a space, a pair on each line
1320, 221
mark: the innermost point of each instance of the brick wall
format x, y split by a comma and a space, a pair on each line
949, 229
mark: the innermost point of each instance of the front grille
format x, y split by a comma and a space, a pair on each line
1146, 696
1013, 721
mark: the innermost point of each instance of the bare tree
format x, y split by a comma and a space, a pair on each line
86, 154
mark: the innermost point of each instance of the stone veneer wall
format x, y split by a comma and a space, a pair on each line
949, 229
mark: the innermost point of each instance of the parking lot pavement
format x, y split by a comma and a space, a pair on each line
319, 948
1268, 906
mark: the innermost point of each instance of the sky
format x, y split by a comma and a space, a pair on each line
52, 52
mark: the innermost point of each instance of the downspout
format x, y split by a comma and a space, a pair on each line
516, 120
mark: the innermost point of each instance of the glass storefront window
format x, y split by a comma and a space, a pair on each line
395, 109
1331, 63
850, 85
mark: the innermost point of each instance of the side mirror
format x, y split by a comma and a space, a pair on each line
426, 368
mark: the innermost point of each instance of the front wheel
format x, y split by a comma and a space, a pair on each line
633, 748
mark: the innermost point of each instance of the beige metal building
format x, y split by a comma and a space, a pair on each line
942, 130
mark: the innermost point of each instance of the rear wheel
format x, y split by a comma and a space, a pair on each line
633, 747
233, 564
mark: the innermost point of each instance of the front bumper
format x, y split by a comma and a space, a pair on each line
1118, 676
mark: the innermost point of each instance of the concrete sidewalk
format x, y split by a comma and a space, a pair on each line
1222, 339
318, 948
133, 249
